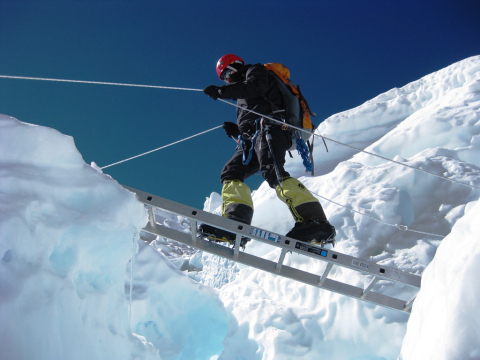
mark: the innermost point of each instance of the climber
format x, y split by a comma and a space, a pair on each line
262, 146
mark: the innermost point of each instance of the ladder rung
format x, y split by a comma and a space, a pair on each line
193, 230
409, 303
278, 267
369, 287
325, 274
151, 216
236, 250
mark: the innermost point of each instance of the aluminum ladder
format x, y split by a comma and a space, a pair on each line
332, 258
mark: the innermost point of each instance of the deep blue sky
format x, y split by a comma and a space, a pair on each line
343, 53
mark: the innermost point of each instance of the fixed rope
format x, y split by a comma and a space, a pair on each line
97, 83
232, 104
163, 147
398, 226
353, 147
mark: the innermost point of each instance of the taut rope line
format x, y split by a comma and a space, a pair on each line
400, 227
227, 102
97, 83
360, 150
163, 147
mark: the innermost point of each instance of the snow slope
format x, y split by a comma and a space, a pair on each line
436, 111
68, 231
445, 322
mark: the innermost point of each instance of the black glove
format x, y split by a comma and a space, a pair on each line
231, 129
212, 91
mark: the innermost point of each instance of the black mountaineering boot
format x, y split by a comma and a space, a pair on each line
313, 231
311, 224
216, 234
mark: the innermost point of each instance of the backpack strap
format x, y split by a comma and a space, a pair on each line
274, 109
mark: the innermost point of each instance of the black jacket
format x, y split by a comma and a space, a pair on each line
255, 89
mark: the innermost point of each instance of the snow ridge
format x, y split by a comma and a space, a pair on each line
432, 124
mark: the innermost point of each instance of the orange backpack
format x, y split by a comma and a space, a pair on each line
297, 111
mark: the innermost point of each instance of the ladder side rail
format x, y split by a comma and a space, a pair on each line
347, 261
285, 271
353, 263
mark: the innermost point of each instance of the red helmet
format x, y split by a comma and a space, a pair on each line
225, 61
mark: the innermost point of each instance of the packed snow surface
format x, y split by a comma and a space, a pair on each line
68, 231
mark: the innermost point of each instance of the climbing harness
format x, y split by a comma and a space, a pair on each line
247, 153
243, 144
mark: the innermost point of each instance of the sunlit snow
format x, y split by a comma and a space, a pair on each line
68, 231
